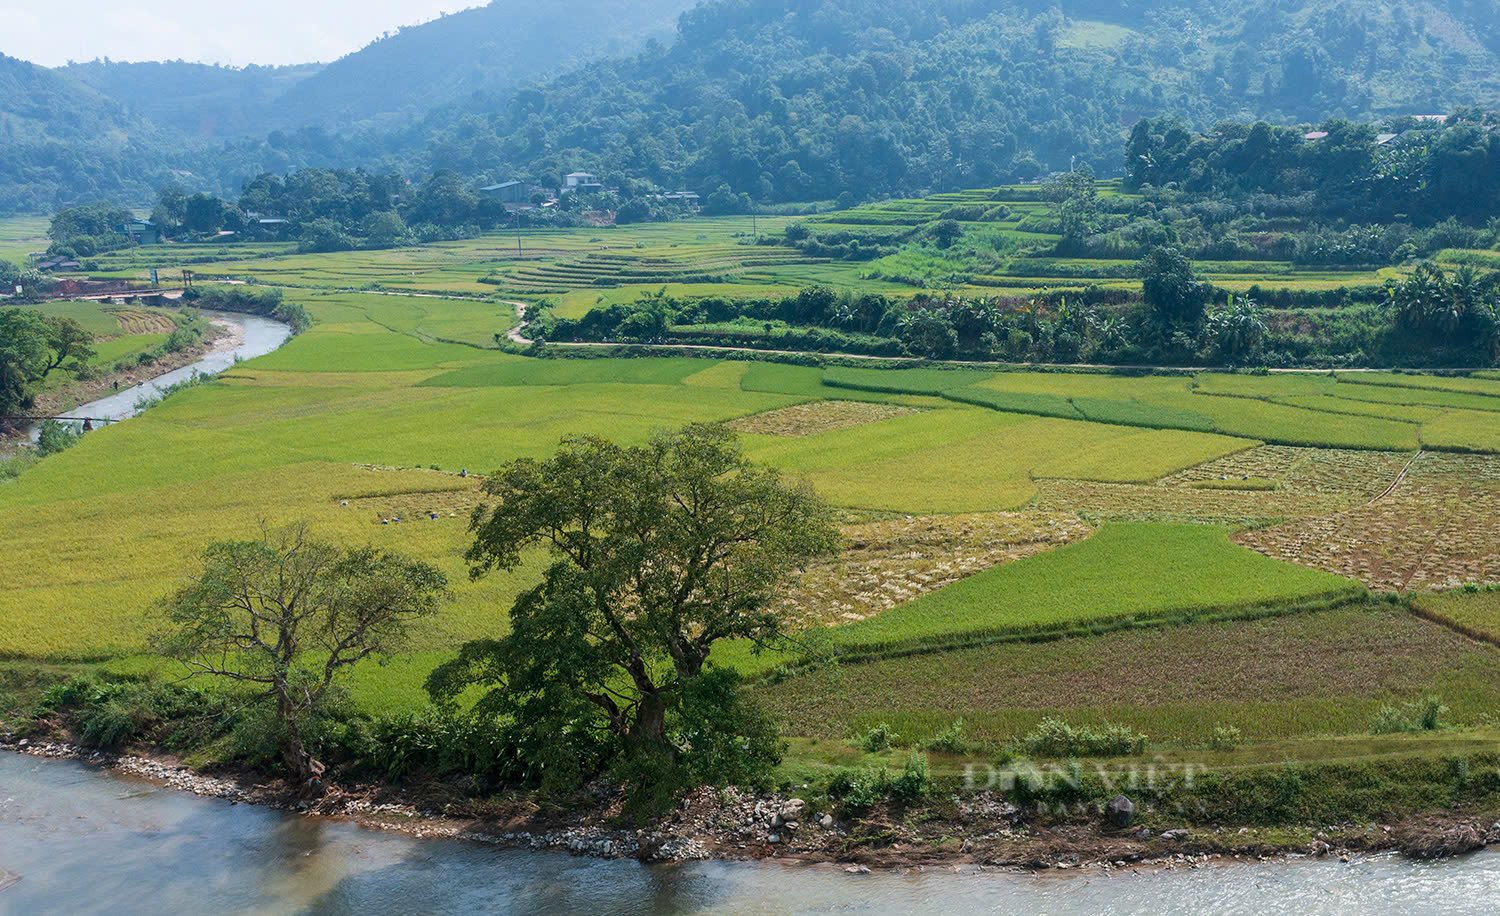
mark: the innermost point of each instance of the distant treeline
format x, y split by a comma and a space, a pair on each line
1433, 318
1404, 169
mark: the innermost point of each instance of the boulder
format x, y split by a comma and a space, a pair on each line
792, 810
826, 822
1120, 811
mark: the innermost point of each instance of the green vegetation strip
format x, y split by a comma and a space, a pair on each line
1127, 573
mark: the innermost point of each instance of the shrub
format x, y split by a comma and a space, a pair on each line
879, 738
1424, 715
950, 740
11, 468
914, 781
858, 790
56, 437
1056, 738
1225, 738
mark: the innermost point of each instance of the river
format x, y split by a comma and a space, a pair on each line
74, 839
258, 336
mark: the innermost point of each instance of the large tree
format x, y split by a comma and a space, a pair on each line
658, 552
32, 347
287, 614
1172, 291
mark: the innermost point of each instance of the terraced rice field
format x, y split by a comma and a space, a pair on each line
889, 562
581, 268
818, 416
700, 264
143, 321
1474, 613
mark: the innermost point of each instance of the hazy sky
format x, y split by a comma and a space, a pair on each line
52, 32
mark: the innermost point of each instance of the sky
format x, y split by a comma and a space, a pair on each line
53, 32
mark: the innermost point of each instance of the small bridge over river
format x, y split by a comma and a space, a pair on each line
88, 422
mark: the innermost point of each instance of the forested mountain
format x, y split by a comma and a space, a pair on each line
490, 50
789, 100
780, 99
493, 49
60, 140
36, 102
196, 99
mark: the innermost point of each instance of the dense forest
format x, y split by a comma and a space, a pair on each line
779, 100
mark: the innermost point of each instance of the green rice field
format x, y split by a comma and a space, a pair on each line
1230, 528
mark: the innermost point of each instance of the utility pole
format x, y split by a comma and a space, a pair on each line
754, 226
517, 217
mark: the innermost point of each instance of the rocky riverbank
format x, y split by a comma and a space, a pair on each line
972, 830
218, 337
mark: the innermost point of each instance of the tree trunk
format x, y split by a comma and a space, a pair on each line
305, 769
649, 732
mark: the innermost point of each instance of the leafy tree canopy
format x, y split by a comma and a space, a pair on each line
659, 551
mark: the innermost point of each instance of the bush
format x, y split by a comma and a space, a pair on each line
862, 789
1056, 738
950, 740
1225, 738
56, 437
1424, 715
879, 738
859, 790
109, 715
914, 781
11, 468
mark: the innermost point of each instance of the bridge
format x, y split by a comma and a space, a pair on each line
88, 422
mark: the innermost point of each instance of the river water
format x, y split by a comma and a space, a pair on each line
74, 839
259, 337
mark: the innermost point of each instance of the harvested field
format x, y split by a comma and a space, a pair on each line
1191, 503
1124, 571
818, 417
143, 321
890, 562
1343, 475
1439, 528
1255, 486
1317, 673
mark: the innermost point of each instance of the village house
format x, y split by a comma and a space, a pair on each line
508, 192
142, 232
581, 182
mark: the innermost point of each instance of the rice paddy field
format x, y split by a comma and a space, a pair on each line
1005, 251
20, 237
122, 333
1283, 553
